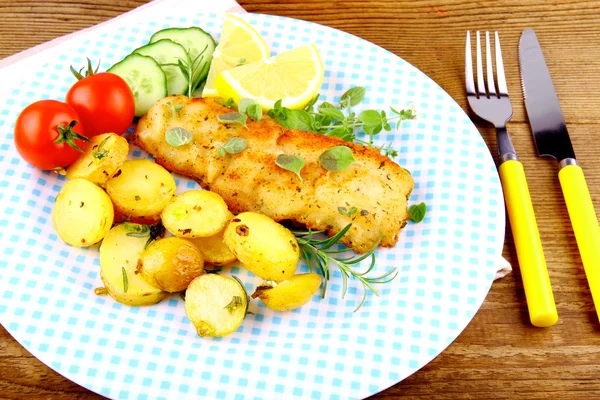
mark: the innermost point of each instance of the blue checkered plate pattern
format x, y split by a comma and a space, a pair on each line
324, 350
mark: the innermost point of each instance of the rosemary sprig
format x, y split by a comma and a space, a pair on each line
193, 69
321, 254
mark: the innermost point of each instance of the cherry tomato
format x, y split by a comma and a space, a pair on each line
48, 135
104, 102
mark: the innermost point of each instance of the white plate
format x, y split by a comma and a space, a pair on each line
446, 263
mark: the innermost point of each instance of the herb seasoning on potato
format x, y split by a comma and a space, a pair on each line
216, 304
120, 255
101, 158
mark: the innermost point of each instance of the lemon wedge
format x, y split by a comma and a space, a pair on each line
294, 76
240, 44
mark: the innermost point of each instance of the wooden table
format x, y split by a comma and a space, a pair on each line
499, 355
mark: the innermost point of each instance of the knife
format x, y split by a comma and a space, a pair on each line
552, 139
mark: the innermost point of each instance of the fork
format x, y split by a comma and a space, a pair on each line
495, 107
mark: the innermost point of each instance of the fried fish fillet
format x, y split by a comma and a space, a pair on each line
251, 181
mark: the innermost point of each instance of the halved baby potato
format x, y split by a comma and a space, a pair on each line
213, 249
101, 158
263, 246
171, 264
216, 304
289, 294
120, 260
82, 214
141, 189
195, 213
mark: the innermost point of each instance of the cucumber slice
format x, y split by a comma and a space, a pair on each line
194, 40
145, 78
164, 52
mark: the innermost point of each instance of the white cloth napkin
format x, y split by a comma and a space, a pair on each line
17, 67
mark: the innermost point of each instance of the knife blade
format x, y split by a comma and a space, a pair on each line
541, 102
552, 139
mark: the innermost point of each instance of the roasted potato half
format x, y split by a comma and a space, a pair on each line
263, 246
195, 213
171, 264
141, 189
82, 214
120, 260
289, 294
216, 304
101, 158
213, 249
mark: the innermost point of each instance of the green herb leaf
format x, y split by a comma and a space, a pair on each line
352, 97
346, 134
370, 117
178, 136
290, 162
332, 112
348, 212
254, 111
337, 158
235, 302
312, 102
417, 212
99, 153
125, 280
137, 230
184, 70
244, 103
285, 117
233, 118
227, 103
174, 109
304, 120
278, 105
372, 130
326, 104
233, 146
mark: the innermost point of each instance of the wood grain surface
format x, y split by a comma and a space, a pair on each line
499, 355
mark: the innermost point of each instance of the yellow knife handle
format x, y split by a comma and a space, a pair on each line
536, 282
585, 225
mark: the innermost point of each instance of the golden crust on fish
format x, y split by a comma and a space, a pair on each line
251, 181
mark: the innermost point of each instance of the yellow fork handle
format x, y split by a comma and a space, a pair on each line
585, 225
538, 291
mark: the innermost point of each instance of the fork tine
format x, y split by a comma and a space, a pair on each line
480, 82
488, 65
469, 66
502, 89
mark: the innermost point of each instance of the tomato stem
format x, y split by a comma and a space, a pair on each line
67, 135
90, 71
